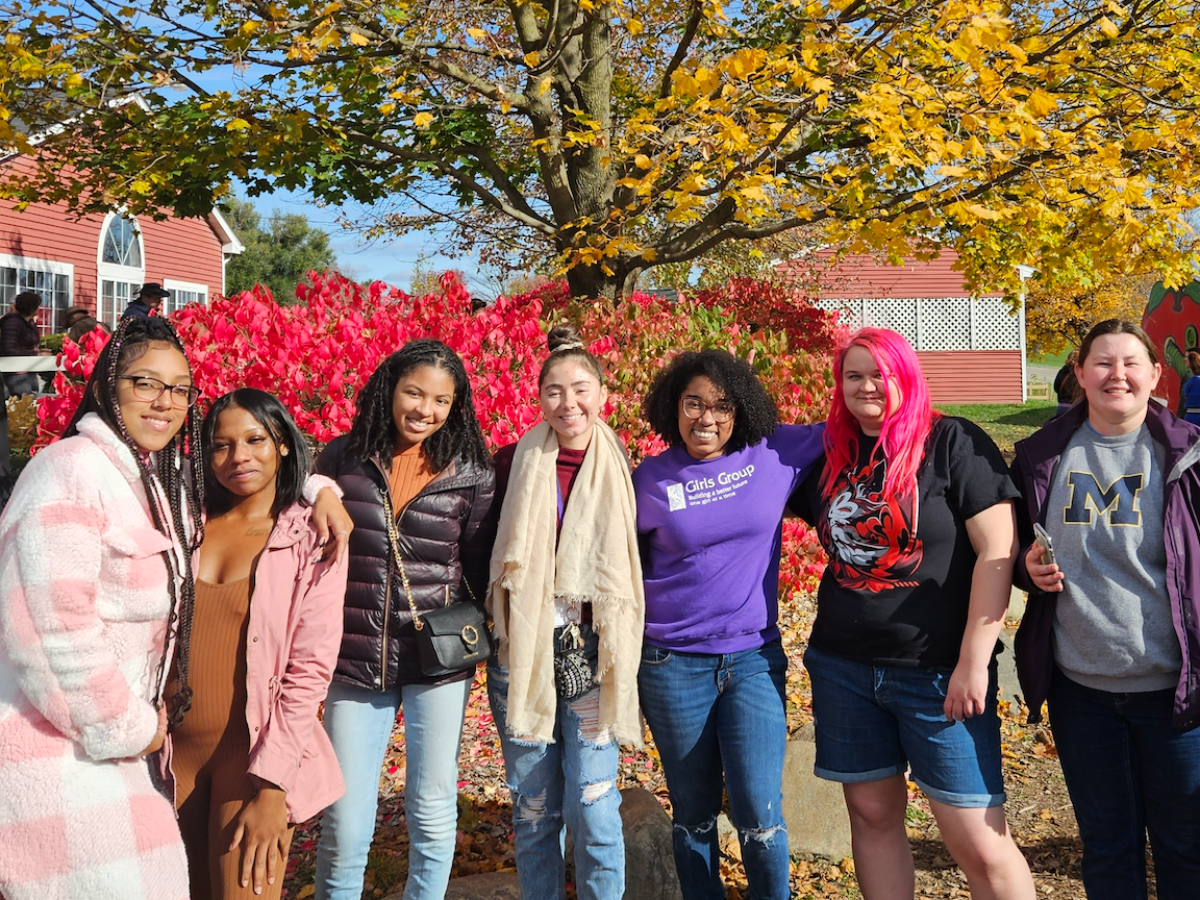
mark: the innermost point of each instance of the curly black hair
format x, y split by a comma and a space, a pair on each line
756, 415
374, 430
163, 475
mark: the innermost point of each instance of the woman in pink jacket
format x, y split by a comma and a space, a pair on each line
263, 645
93, 556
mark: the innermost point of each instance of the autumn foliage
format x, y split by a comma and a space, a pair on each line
317, 354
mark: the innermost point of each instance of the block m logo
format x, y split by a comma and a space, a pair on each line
1119, 499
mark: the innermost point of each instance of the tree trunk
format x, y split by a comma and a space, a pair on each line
593, 283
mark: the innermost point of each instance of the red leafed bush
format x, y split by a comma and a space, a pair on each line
317, 354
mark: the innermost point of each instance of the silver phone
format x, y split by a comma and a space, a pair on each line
1043, 540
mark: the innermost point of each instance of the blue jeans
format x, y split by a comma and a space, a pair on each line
714, 714
874, 721
360, 723
572, 781
1128, 772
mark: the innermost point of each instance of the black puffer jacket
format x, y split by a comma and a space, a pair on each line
444, 535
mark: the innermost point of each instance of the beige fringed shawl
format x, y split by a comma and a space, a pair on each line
596, 562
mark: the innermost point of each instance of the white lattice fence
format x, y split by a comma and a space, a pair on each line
937, 323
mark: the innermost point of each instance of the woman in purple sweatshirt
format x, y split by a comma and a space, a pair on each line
711, 682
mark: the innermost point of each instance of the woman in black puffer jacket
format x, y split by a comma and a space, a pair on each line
415, 448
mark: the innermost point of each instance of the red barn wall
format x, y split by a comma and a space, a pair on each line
180, 249
973, 376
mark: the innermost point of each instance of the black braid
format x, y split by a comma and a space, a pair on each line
374, 430
169, 481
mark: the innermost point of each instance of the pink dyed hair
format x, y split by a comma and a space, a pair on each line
902, 437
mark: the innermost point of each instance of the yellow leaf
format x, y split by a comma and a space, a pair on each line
1040, 103
358, 39
238, 125
634, 26
982, 212
140, 186
532, 58
423, 119
642, 161
1109, 28
250, 27
478, 33
820, 85
953, 171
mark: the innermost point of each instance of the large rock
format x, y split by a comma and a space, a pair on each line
814, 809
1006, 669
649, 858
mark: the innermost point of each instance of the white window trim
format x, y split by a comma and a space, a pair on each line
112, 271
131, 275
170, 284
42, 265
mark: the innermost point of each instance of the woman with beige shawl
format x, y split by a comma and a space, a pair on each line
566, 596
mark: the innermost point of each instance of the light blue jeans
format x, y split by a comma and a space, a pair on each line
360, 723
573, 781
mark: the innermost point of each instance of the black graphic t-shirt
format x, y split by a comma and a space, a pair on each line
898, 583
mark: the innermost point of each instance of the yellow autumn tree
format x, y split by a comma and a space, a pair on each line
615, 135
1059, 316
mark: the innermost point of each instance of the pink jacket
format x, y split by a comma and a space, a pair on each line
84, 603
292, 646
292, 643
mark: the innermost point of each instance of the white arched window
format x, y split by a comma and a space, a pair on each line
120, 266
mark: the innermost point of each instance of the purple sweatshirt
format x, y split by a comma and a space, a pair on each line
710, 533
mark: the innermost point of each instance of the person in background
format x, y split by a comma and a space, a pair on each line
712, 677
19, 336
566, 594
72, 315
251, 759
148, 301
915, 511
1110, 638
1066, 387
1189, 391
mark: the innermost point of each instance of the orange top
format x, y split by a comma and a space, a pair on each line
408, 476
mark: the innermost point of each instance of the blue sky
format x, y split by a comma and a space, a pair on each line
391, 260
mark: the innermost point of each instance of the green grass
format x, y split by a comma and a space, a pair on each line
1054, 359
1007, 423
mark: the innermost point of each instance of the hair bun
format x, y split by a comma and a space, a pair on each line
564, 337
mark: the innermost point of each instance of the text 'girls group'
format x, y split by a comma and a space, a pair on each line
206, 636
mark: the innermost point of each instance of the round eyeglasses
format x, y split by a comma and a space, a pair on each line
722, 411
150, 389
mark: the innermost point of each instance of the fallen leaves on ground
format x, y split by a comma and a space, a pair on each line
1038, 809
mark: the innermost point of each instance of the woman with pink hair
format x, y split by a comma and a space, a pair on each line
915, 511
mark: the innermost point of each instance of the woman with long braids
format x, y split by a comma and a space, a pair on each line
93, 564
415, 454
250, 760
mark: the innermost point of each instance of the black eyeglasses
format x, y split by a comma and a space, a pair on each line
150, 389
722, 411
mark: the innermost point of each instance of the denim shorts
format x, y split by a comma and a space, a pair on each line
874, 722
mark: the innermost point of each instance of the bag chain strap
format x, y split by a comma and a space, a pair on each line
394, 540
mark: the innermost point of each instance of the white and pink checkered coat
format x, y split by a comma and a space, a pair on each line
83, 615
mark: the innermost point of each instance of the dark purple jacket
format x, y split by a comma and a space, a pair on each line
1033, 472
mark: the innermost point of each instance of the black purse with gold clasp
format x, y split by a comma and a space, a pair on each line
453, 638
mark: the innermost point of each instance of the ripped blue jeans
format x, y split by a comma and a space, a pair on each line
720, 727
572, 781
